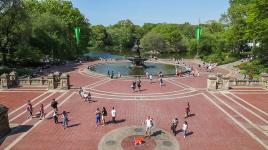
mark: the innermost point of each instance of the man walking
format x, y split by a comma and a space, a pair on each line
174, 124
185, 128
149, 124
113, 114
30, 109
151, 78
54, 105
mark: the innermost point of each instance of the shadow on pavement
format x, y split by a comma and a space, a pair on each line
16, 130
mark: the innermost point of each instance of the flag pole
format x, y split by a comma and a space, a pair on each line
198, 28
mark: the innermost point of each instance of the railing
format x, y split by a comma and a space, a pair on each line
250, 83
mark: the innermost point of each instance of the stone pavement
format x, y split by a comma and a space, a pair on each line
236, 119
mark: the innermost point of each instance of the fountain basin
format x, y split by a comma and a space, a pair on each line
126, 68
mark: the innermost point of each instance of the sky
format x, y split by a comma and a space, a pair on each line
107, 12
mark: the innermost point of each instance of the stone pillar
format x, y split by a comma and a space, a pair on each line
13, 78
5, 81
212, 83
264, 79
64, 81
225, 83
51, 81
4, 124
29, 80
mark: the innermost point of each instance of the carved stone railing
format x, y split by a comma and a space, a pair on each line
55, 80
220, 82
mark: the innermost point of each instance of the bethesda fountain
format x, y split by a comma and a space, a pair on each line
137, 60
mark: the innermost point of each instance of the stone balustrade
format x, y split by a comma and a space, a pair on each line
220, 82
55, 80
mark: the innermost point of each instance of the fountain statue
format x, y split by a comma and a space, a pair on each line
137, 60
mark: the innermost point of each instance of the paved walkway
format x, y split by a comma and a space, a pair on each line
236, 119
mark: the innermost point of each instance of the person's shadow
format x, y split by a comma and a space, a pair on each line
156, 133
116, 121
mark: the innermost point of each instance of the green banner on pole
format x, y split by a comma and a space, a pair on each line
77, 34
198, 33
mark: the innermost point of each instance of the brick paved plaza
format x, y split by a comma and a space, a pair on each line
229, 120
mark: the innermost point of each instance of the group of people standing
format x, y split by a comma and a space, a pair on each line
41, 113
29, 109
101, 115
136, 85
85, 95
175, 122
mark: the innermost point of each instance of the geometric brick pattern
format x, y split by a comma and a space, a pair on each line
220, 120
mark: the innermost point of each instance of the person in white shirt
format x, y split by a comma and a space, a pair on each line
151, 78
149, 124
185, 128
113, 114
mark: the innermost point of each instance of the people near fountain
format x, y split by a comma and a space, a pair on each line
160, 74
174, 124
42, 112
185, 128
65, 120
119, 75
133, 86
139, 84
113, 114
151, 78
112, 75
149, 124
187, 110
103, 115
147, 75
161, 82
98, 117
29, 109
108, 73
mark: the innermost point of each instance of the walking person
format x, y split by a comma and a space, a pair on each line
42, 112
112, 75
81, 92
139, 84
133, 86
161, 82
185, 128
29, 109
108, 73
151, 78
65, 120
54, 105
149, 124
187, 110
113, 114
103, 115
98, 117
88, 98
174, 124
147, 75
55, 117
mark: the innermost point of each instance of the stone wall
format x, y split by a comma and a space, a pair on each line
55, 80
220, 82
4, 124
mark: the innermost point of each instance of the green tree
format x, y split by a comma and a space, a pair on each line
12, 29
154, 42
99, 36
